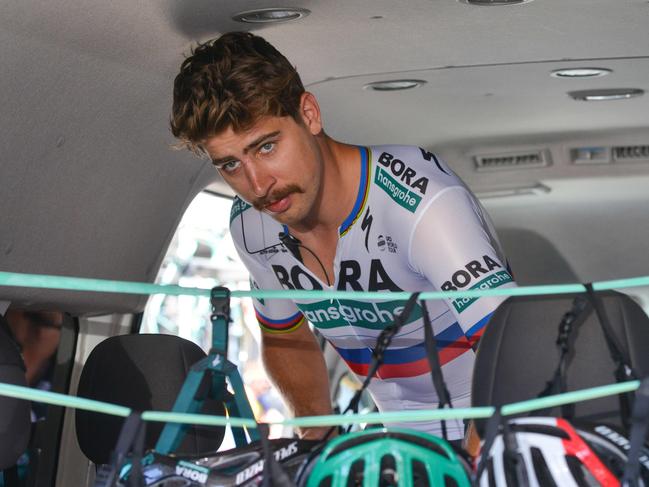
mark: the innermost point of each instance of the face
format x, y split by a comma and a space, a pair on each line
276, 165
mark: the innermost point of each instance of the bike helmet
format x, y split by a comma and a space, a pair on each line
381, 457
550, 452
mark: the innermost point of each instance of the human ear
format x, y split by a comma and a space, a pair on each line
310, 112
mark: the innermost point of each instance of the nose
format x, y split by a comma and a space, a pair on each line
260, 180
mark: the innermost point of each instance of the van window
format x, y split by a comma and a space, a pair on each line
201, 254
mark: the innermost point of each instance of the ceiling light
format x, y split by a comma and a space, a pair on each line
610, 94
493, 3
394, 84
580, 72
270, 15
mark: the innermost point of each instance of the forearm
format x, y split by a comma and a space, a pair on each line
295, 365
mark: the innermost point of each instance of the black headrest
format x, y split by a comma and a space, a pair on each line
518, 354
14, 413
142, 372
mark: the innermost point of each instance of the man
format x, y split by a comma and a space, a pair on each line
315, 213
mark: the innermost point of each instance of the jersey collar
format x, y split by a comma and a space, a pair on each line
363, 192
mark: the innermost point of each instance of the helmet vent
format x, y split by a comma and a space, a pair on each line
541, 429
541, 469
419, 474
388, 471
449, 481
512, 160
631, 153
581, 475
356, 471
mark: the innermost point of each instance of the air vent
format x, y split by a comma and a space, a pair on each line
591, 155
512, 160
631, 153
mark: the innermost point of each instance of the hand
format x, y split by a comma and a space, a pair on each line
471, 442
317, 433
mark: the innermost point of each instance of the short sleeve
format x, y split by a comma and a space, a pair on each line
453, 245
273, 315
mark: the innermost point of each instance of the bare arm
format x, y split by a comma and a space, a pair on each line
295, 364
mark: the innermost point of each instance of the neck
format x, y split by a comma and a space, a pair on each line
339, 188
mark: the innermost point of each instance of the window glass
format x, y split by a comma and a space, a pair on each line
202, 254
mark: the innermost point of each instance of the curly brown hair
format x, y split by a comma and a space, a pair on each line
232, 81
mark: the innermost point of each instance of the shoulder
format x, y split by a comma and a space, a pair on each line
419, 173
236, 217
251, 229
411, 177
238, 207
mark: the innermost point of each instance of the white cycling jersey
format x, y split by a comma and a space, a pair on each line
415, 226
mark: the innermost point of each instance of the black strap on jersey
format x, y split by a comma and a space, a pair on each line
382, 343
571, 320
443, 396
639, 427
623, 369
131, 439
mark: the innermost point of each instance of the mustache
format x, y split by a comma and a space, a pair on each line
276, 195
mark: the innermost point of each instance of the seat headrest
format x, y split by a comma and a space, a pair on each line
518, 355
141, 372
14, 413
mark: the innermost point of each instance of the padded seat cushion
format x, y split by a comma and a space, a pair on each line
142, 372
518, 354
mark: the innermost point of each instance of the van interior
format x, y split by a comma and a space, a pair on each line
540, 106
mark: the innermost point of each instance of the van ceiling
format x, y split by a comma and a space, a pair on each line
91, 187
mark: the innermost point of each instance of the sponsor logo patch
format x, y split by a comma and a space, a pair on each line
406, 174
192, 472
371, 315
258, 467
238, 207
385, 242
399, 193
495, 280
622, 442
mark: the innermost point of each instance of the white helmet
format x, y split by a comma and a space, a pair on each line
548, 452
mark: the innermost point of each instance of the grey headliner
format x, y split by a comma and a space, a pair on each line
91, 188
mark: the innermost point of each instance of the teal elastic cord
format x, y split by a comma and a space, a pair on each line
41, 281
371, 418
100, 285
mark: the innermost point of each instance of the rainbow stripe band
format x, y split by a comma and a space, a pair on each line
285, 325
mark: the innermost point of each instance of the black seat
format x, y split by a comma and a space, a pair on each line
518, 355
142, 372
14, 413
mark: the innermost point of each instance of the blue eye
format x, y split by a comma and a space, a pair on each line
230, 166
267, 147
